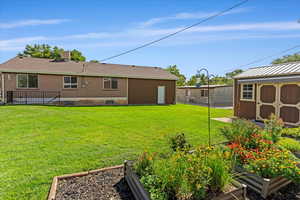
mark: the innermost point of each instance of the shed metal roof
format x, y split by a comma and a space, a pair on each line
292, 68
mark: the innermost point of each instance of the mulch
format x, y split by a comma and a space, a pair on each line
104, 185
111, 185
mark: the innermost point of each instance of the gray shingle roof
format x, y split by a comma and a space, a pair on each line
292, 68
48, 66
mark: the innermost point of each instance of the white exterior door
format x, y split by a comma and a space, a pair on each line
161, 95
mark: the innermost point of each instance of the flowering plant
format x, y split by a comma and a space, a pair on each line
258, 153
185, 176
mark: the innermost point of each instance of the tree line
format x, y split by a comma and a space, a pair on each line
227, 79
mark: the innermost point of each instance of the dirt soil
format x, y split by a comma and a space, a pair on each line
106, 185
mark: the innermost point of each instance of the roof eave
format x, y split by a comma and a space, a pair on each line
84, 74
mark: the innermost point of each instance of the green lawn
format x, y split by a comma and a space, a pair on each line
39, 142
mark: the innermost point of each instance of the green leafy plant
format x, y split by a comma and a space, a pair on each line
291, 132
289, 144
274, 127
186, 176
239, 130
143, 165
178, 142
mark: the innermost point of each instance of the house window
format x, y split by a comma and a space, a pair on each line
110, 83
70, 82
187, 93
204, 93
247, 92
27, 81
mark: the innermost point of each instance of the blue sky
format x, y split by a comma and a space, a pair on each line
102, 28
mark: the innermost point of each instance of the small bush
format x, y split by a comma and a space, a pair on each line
187, 176
289, 144
239, 130
291, 132
179, 142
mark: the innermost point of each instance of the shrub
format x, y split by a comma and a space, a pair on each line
291, 132
273, 127
179, 142
185, 176
154, 186
239, 130
289, 144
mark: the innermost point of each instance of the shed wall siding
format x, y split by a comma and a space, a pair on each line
244, 109
219, 96
144, 91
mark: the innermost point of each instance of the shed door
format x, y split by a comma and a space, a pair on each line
161, 95
289, 103
266, 101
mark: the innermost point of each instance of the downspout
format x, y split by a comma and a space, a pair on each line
3, 90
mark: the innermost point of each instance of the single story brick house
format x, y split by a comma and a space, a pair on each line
220, 95
84, 83
260, 91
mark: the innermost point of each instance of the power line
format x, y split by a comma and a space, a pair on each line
175, 33
270, 56
266, 57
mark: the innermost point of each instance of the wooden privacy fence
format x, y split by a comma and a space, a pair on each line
33, 97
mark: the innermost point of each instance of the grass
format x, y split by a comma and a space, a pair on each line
39, 142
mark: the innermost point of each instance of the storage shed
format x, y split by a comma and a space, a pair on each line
220, 95
260, 91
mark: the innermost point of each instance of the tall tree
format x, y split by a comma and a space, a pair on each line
285, 59
193, 80
227, 79
173, 69
46, 51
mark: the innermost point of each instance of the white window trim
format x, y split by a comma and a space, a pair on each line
70, 83
110, 79
17, 82
253, 92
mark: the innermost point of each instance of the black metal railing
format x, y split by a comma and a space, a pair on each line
33, 97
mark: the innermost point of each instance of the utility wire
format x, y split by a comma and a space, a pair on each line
270, 56
175, 33
266, 57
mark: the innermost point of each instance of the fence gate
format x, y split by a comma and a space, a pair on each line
33, 97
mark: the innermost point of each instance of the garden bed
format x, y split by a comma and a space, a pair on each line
237, 190
263, 186
106, 183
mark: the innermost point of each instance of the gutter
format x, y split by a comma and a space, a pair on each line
3, 86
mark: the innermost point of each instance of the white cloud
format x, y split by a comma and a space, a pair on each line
31, 22
139, 36
19, 43
186, 15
